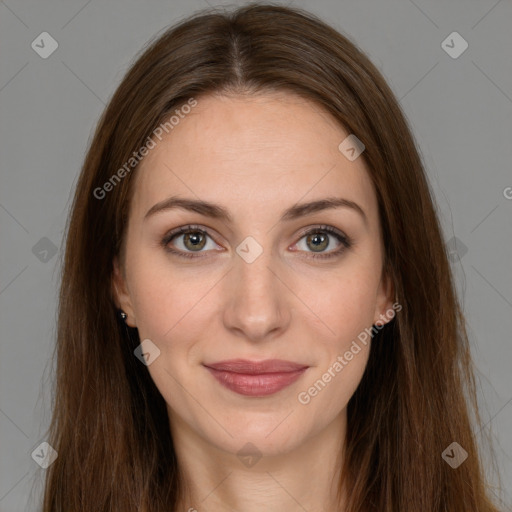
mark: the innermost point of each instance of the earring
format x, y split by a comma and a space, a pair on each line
123, 315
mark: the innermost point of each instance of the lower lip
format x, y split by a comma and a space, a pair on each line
256, 385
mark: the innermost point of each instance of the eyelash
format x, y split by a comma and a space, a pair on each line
346, 242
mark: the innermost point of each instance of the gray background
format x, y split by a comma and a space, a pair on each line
460, 111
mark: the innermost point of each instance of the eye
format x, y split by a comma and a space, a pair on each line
318, 239
193, 239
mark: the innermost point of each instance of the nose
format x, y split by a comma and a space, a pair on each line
258, 301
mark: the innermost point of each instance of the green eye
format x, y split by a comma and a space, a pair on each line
194, 240
319, 237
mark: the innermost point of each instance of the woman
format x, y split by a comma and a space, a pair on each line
312, 355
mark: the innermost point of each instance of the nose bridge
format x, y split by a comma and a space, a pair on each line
258, 304
253, 264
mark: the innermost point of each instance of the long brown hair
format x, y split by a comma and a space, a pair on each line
110, 425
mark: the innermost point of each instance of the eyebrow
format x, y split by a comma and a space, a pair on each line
216, 211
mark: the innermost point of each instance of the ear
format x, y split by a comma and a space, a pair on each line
121, 294
384, 311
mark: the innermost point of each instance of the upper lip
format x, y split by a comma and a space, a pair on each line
256, 367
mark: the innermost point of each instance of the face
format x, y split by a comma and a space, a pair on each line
257, 284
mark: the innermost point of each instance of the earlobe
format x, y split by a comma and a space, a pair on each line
120, 293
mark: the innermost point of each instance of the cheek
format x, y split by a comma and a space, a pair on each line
344, 301
167, 300
342, 362
150, 292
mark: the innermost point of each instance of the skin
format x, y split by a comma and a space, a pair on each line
255, 155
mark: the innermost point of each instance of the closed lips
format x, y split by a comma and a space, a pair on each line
256, 378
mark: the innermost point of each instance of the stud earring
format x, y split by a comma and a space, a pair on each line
123, 315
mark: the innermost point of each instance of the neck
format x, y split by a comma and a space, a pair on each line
219, 480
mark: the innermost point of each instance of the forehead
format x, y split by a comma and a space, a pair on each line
272, 149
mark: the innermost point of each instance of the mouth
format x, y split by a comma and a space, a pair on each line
256, 378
